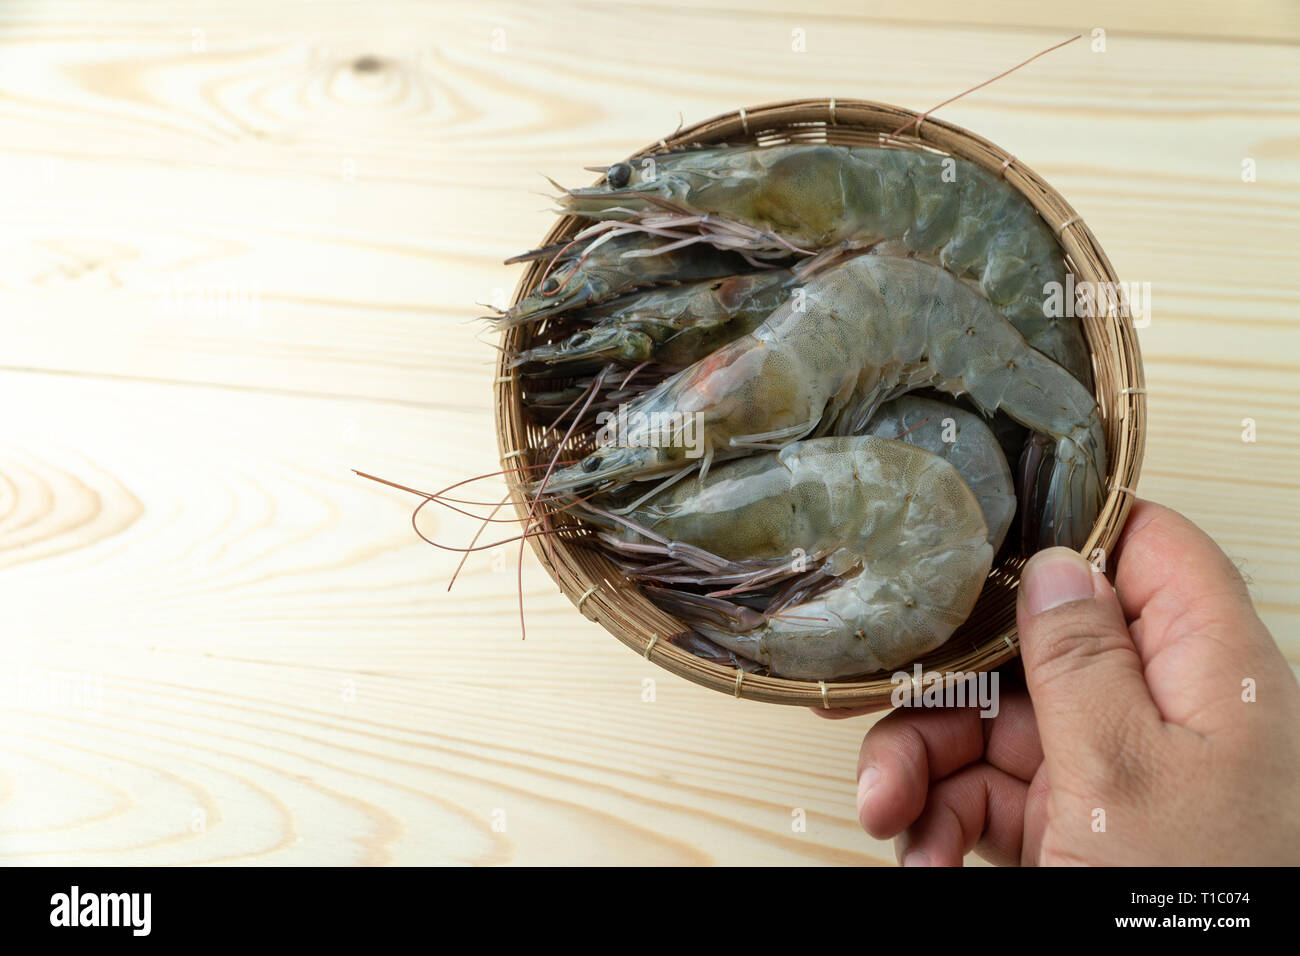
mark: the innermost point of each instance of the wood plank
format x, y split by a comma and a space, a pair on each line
242, 261
257, 635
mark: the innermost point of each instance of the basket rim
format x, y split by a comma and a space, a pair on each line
627, 614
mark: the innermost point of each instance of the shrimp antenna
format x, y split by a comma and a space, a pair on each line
492, 518
916, 121
474, 540
438, 498
595, 387
482, 547
912, 429
481, 341
466, 481
567, 192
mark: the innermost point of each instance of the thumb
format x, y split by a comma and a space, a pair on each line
1083, 672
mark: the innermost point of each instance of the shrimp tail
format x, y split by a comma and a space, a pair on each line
1032, 481
1074, 493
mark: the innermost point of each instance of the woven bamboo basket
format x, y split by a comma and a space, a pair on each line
988, 638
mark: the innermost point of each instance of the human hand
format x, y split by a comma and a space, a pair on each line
1161, 725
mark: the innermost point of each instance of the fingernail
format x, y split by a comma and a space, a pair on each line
917, 858
870, 777
1054, 577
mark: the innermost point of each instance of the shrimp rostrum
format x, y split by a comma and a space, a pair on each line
672, 326
898, 539
855, 336
588, 271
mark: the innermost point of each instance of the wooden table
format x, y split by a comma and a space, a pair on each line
242, 247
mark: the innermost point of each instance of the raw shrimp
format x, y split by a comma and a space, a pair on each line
671, 326
818, 197
855, 336
896, 530
965, 442
595, 270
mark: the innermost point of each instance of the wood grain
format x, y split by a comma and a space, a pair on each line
241, 255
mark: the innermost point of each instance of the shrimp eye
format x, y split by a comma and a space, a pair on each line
590, 464
579, 340
549, 286
619, 175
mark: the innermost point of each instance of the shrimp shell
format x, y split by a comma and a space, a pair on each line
973, 450
897, 527
859, 334
819, 197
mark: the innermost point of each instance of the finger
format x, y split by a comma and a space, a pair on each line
1010, 733
1036, 799
902, 753
1153, 531
978, 808
1011, 740
1083, 672
908, 749
1191, 616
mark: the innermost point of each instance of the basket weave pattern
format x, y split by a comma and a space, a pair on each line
988, 638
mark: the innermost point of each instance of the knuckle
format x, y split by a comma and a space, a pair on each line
1068, 644
898, 742
1113, 752
1114, 762
1124, 757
